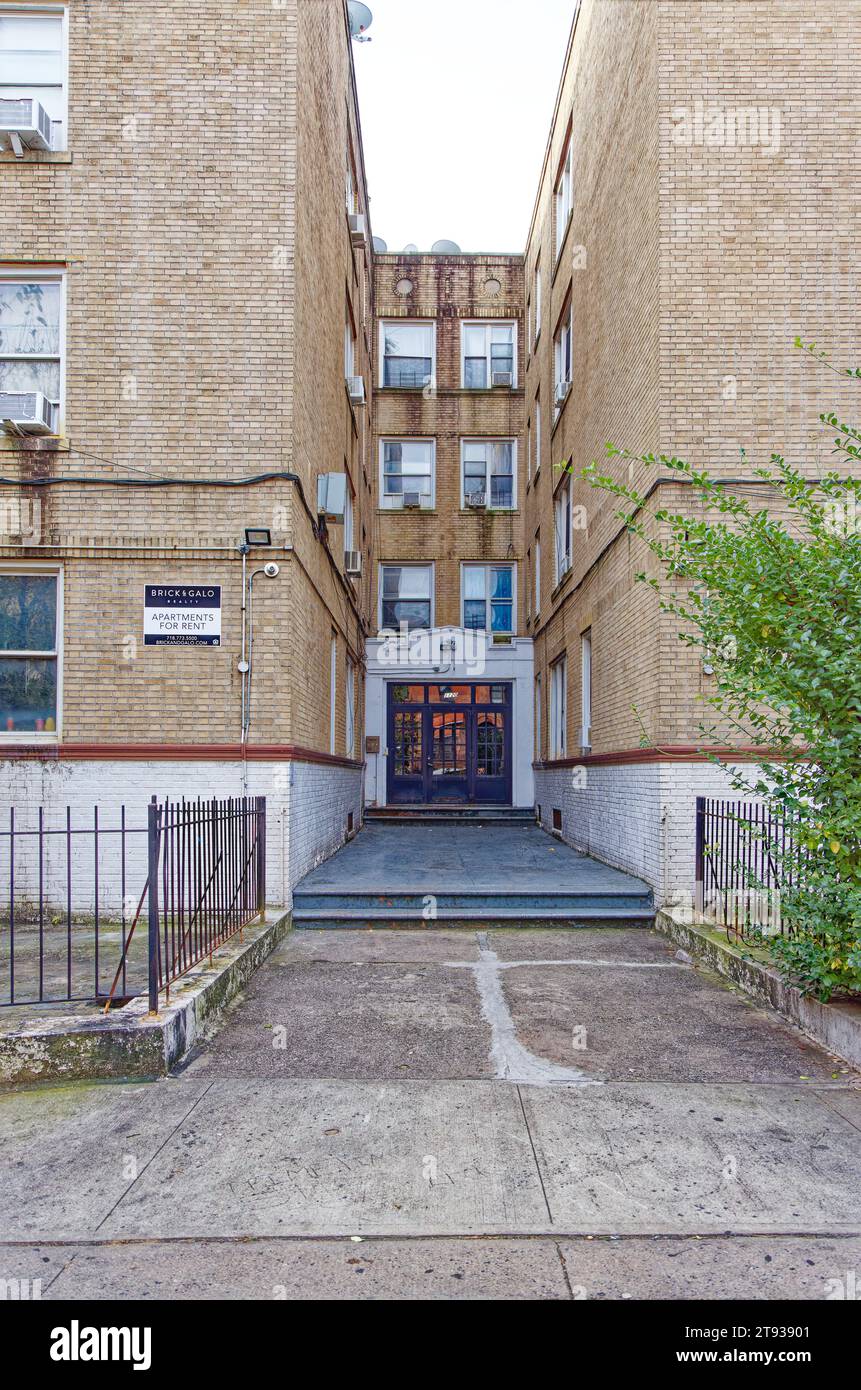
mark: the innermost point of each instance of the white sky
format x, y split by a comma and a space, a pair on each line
456, 98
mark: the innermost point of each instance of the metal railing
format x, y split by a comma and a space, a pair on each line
75, 896
207, 865
746, 857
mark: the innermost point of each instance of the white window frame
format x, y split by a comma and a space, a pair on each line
500, 565
406, 565
349, 517
564, 554
536, 435
537, 298
538, 715
558, 707
529, 449
350, 713
349, 347
488, 325
563, 196
410, 323
351, 190
29, 274
23, 736
385, 502
586, 687
333, 692
484, 439
564, 371
537, 581
59, 137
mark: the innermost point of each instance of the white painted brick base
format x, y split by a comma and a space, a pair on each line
638, 817
307, 807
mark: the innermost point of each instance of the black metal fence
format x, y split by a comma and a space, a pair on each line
746, 857
77, 896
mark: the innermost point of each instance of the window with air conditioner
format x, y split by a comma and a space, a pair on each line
31, 350
487, 599
558, 711
562, 352
408, 354
30, 603
406, 597
407, 473
488, 355
33, 78
488, 469
563, 198
562, 518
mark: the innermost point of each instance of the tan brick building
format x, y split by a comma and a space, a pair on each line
195, 329
186, 279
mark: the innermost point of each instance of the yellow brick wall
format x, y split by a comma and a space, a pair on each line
448, 290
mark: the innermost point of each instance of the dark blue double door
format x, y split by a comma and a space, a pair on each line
449, 744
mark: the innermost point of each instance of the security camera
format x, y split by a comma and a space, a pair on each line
270, 570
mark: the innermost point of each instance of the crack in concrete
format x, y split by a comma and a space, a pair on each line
510, 1059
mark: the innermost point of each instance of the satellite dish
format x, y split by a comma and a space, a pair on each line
360, 18
446, 248
410, 250
380, 246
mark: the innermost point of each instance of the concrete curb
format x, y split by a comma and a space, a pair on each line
127, 1042
836, 1026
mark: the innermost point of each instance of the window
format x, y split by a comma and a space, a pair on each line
408, 353
29, 657
487, 352
405, 596
488, 598
562, 353
537, 433
488, 473
530, 337
586, 689
351, 709
351, 195
537, 301
333, 691
31, 332
563, 198
538, 716
558, 715
349, 347
537, 576
349, 515
33, 64
408, 469
562, 510
528, 450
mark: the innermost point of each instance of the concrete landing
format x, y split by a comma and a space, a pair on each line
462, 874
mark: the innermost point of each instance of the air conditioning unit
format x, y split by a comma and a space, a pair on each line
584, 738
413, 499
562, 389
27, 412
356, 388
353, 563
357, 226
503, 378
332, 496
476, 499
503, 639
25, 123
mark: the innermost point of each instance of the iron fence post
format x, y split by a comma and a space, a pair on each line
153, 857
261, 855
699, 870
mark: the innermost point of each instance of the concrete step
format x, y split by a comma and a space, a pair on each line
450, 815
525, 905
397, 919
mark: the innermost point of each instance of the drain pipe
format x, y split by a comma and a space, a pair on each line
245, 664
